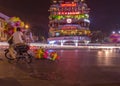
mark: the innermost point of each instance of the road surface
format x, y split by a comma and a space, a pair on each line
81, 67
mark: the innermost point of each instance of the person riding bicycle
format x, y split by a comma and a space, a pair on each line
18, 36
18, 39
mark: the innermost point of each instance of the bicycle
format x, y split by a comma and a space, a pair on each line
21, 52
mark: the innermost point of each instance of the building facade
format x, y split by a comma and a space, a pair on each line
69, 22
3, 21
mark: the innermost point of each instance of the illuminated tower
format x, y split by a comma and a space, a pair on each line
69, 21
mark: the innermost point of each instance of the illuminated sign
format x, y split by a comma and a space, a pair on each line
69, 28
68, 13
68, 5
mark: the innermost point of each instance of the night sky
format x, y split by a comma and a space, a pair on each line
104, 14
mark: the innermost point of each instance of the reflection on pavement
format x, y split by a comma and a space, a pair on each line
106, 57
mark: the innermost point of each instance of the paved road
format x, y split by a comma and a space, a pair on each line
83, 67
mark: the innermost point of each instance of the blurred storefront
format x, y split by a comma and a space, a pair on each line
3, 21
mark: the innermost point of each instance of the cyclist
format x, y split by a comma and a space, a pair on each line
18, 39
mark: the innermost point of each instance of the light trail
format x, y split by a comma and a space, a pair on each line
90, 46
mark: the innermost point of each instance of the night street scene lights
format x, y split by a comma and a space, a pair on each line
119, 32
115, 32
69, 22
26, 26
115, 37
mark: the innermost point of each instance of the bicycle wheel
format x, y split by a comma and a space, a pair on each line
28, 58
7, 55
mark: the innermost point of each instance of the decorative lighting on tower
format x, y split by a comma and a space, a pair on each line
69, 18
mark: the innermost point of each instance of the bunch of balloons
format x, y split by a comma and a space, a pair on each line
41, 53
54, 56
11, 25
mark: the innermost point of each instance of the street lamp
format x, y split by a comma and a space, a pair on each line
119, 32
26, 26
113, 32
82, 0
